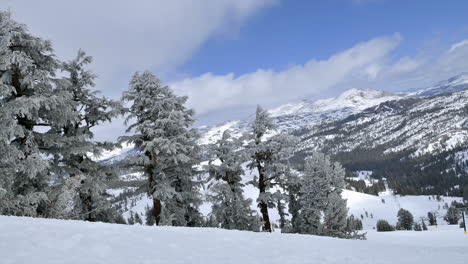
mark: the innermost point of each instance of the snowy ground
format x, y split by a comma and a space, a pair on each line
29, 240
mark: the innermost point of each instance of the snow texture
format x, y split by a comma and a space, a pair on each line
30, 240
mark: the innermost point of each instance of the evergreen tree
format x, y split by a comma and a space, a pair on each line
149, 216
432, 219
384, 226
452, 217
230, 208
163, 133
291, 187
29, 100
138, 219
72, 155
424, 227
322, 210
417, 227
405, 220
353, 223
131, 219
268, 156
281, 212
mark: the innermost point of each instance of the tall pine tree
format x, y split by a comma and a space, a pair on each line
30, 106
231, 209
268, 156
72, 156
322, 209
163, 134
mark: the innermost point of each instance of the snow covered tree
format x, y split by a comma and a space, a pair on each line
291, 186
417, 227
138, 219
353, 223
71, 157
432, 218
163, 133
423, 225
149, 216
231, 209
131, 219
452, 217
384, 226
30, 105
268, 156
405, 220
322, 209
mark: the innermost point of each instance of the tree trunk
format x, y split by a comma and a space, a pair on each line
263, 206
157, 210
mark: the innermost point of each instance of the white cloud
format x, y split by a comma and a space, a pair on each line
210, 92
124, 36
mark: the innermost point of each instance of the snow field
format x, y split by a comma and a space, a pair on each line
30, 240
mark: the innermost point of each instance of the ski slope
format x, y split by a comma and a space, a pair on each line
32, 240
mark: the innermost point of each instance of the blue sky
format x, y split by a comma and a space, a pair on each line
230, 55
295, 31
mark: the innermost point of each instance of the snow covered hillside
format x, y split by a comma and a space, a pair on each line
305, 113
30, 240
368, 208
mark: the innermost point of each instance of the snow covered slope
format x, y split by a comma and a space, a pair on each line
305, 113
453, 84
429, 124
368, 208
29, 240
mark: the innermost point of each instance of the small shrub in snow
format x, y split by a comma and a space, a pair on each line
424, 227
417, 227
384, 226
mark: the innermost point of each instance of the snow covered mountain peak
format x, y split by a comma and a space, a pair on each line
354, 98
359, 99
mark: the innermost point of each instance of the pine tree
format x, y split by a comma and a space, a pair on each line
424, 227
72, 155
138, 219
268, 156
405, 220
29, 100
149, 216
452, 217
291, 187
417, 227
432, 218
353, 224
384, 226
322, 209
131, 219
163, 134
230, 208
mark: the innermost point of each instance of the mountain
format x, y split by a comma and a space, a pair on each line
293, 116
